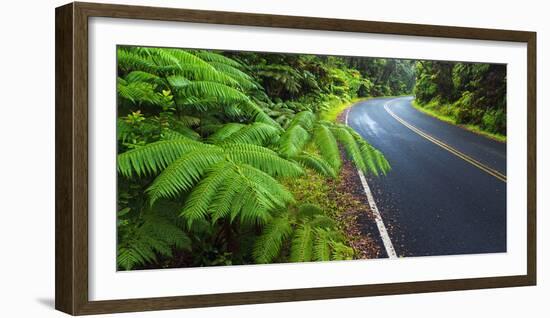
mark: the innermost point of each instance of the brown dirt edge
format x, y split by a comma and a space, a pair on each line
357, 220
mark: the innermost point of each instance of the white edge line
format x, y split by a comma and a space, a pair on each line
377, 216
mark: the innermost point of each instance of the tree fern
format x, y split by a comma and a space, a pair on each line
198, 79
215, 145
216, 195
200, 199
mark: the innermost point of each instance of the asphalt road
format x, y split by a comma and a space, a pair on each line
433, 201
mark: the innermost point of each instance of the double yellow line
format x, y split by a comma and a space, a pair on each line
450, 149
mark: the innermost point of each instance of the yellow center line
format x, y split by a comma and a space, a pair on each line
443, 145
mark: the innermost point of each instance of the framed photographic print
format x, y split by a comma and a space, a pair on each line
211, 158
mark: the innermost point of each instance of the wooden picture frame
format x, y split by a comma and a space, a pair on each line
71, 122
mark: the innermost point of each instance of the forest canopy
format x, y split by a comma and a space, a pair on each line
469, 93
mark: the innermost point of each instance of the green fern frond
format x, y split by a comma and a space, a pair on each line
224, 199
177, 81
205, 89
322, 221
140, 242
189, 121
327, 145
183, 173
217, 58
301, 249
223, 132
141, 76
235, 190
154, 157
132, 61
174, 57
263, 194
304, 118
200, 199
271, 189
165, 231
256, 133
341, 252
293, 141
241, 77
374, 160
206, 73
262, 158
350, 145
268, 246
308, 211
128, 258
140, 93
322, 246
316, 163
183, 133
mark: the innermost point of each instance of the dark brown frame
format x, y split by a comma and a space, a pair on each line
71, 157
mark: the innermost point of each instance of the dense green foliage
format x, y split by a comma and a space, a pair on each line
471, 94
205, 139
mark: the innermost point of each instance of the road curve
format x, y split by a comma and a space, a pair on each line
433, 201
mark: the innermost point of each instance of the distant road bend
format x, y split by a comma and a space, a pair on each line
446, 192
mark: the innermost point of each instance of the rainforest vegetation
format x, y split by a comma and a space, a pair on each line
464, 93
227, 157
237, 157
